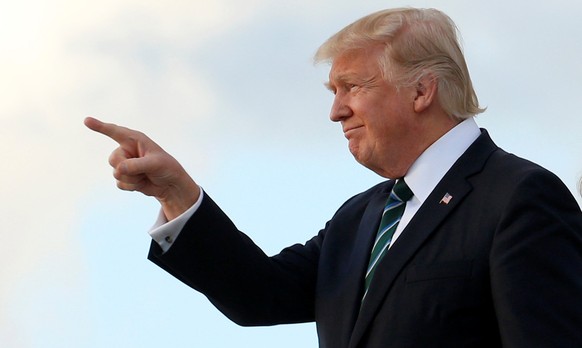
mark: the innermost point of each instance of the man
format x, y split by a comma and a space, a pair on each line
465, 245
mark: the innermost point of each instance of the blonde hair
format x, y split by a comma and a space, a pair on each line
417, 43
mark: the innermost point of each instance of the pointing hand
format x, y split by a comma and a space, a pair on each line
142, 165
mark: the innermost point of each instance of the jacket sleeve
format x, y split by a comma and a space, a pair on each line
212, 256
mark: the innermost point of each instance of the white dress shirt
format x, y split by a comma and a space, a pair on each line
422, 177
432, 165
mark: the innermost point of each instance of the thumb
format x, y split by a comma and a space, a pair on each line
147, 165
135, 166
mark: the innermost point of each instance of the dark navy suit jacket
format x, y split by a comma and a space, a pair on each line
500, 265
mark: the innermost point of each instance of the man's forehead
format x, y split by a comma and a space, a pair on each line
353, 64
345, 64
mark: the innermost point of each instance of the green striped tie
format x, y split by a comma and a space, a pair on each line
393, 211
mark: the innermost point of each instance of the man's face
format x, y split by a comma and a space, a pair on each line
377, 118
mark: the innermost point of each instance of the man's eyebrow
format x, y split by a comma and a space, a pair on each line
345, 78
338, 79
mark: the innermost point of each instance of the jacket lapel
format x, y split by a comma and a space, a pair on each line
359, 261
425, 222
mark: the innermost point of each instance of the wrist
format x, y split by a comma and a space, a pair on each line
179, 198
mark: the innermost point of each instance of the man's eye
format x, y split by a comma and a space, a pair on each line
351, 86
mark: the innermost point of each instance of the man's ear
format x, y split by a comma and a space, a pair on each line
426, 92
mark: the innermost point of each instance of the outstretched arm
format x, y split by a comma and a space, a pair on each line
142, 165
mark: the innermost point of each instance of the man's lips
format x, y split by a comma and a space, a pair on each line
349, 131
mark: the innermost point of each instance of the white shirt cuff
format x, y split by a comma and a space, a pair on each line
165, 232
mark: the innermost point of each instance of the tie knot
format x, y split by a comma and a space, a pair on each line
402, 191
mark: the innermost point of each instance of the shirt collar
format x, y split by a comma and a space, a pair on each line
432, 165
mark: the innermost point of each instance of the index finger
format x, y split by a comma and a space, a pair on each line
113, 131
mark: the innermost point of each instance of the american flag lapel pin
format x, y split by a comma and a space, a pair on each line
446, 198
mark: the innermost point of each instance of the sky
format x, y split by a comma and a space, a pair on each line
228, 87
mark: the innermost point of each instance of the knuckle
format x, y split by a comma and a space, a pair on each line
111, 160
136, 136
115, 157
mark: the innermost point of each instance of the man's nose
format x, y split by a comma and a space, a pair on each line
339, 110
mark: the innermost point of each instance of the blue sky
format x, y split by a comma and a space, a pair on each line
229, 89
